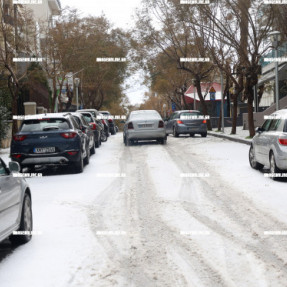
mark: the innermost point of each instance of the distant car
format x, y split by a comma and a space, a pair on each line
269, 145
111, 122
144, 125
15, 205
86, 128
50, 139
95, 126
186, 122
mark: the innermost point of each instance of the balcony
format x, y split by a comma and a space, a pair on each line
55, 6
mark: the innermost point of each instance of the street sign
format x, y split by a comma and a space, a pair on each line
173, 106
212, 96
212, 90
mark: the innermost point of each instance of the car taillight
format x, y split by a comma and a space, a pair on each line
16, 155
179, 122
160, 124
204, 121
93, 126
69, 135
130, 126
72, 152
110, 120
282, 141
19, 138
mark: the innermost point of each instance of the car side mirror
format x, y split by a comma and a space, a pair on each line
14, 166
259, 130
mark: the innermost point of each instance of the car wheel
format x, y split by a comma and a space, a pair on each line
192, 135
175, 133
93, 149
253, 163
204, 135
162, 141
130, 142
104, 137
273, 166
87, 158
26, 222
80, 164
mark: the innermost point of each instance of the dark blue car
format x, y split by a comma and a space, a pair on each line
50, 139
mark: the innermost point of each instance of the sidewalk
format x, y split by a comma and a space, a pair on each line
239, 137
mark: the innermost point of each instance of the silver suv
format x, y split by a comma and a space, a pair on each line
269, 145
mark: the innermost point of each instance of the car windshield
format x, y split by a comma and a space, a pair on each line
190, 115
145, 116
38, 125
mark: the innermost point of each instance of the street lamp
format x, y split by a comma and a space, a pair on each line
275, 38
77, 82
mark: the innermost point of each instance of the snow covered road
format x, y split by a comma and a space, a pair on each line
153, 227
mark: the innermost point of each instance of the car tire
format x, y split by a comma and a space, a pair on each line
26, 222
113, 132
162, 141
204, 135
273, 166
192, 135
80, 165
93, 149
87, 158
253, 163
130, 142
175, 133
104, 137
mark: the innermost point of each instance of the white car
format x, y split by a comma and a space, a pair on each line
144, 125
15, 205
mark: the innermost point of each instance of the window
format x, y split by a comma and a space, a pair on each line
39, 125
3, 170
75, 124
266, 125
274, 125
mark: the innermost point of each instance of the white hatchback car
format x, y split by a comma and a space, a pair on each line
15, 205
269, 145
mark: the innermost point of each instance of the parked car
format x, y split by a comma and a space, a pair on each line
50, 139
95, 126
111, 122
144, 125
15, 205
105, 123
186, 122
269, 145
86, 128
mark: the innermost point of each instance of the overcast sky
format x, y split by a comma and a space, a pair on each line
119, 12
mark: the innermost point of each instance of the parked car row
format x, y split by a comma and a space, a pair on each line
65, 139
55, 139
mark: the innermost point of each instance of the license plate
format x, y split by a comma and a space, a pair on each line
145, 125
44, 149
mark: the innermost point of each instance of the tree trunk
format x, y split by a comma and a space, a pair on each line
203, 104
234, 114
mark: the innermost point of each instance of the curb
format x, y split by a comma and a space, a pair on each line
229, 138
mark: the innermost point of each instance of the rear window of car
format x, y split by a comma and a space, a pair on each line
38, 125
190, 115
88, 118
147, 116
